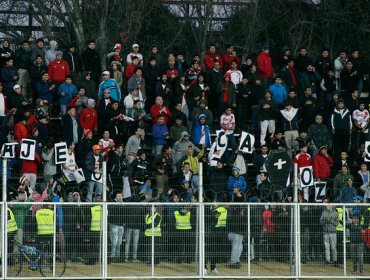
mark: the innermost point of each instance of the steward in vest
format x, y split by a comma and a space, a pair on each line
153, 221
341, 231
11, 223
184, 239
45, 226
94, 236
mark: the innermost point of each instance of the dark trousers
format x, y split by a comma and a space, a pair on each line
340, 142
184, 249
148, 249
92, 247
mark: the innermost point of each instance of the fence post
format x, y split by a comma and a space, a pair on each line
4, 212
295, 220
344, 217
199, 245
249, 241
104, 231
54, 236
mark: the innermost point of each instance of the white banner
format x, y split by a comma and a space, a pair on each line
79, 175
221, 143
367, 150
306, 176
246, 143
8, 150
28, 148
97, 177
320, 191
60, 151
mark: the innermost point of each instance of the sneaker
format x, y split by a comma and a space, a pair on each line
214, 271
135, 260
126, 260
205, 272
360, 273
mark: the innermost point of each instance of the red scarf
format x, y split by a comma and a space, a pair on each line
226, 92
294, 79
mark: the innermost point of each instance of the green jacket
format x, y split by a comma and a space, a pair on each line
20, 211
341, 180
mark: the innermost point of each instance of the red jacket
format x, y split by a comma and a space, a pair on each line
269, 225
209, 61
303, 160
321, 166
170, 72
58, 71
31, 122
30, 166
264, 65
154, 113
20, 132
227, 59
89, 119
130, 71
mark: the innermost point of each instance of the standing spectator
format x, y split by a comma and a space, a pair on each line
29, 169
329, 221
359, 66
361, 120
328, 86
159, 109
70, 166
106, 144
278, 92
38, 49
130, 69
264, 65
116, 73
133, 218
357, 245
93, 165
289, 74
5, 52
163, 88
71, 127
236, 75
152, 74
302, 60
66, 92
290, 120
17, 100
50, 54
116, 226
137, 82
339, 65
236, 181
89, 116
45, 89
319, 132
58, 69
3, 105
213, 78
311, 79
227, 57
160, 135
162, 167
91, 61
341, 179
322, 164
193, 160
103, 107
349, 77
243, 98
89, 85
211, 57
112, 85
154, 53
9, 75
267, 108
227, 94
323, 64
201, 132
135, 52
74, 62
341, 124
23, 62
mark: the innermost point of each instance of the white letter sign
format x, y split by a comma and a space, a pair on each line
28, 147
60, 152
246, 143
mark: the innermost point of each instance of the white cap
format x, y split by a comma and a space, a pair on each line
106, 73
135, 46
16, 86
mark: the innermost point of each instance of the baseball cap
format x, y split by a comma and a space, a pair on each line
96, 147
135, 46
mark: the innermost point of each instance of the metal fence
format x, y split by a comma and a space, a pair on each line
185, 240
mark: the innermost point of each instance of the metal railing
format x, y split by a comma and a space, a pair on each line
259, 240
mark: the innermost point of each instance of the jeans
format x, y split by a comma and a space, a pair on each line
135, 233
237, 246
357, 251
63, 109
330, 243
115, 235
290, 136
195, 181
266, 124
91, 185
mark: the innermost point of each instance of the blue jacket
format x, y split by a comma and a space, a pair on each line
238, 182
115, 91
59, 212
159, 133
70, 91
197, 132
43, 90
7, 75
279, 93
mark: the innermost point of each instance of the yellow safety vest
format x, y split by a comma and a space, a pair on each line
340, 219
45, 221
149, 221
221, 222
12, 224
363, 218
95, 218
182, 221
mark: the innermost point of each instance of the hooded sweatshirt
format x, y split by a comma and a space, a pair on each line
51, 53
89, 116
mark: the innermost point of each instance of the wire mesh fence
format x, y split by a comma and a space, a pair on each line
185, 240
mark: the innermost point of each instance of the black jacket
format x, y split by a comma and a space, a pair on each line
91, 60
89, 165
67, 135
73, 60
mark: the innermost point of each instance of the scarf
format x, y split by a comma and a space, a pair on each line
226, 92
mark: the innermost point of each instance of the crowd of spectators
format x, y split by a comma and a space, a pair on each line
152, 118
